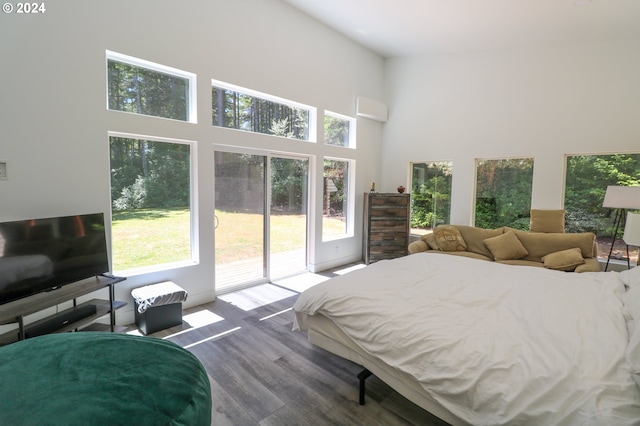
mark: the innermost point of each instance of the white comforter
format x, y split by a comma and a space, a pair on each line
494, 344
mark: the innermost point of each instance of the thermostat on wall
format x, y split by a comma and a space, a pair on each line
3, 170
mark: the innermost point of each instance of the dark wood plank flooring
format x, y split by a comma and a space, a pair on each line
263, 373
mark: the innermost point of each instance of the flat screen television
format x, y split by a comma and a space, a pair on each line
38, 255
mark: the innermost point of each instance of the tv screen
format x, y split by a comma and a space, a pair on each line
42, 254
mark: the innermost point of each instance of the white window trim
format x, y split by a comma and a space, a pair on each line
349, 232
313, 111
193, 206
193, 102
352, 128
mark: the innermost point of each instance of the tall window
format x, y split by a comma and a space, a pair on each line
146, 88
151, 202
336, 199
430, 195
339, 130
587, 178
244, 109
503, 193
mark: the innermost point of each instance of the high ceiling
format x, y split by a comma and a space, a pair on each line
396, 28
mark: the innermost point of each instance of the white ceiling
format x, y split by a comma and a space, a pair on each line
395, 28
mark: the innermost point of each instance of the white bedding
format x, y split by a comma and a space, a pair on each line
493, 344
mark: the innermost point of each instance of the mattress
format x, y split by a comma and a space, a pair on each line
490, 343
323, 333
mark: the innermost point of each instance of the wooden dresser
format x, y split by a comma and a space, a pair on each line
386, 226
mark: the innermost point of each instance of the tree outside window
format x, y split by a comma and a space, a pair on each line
587, 178
338, 130
430, 195
335, 199
503, 193
142, 87
237, 110
151, 198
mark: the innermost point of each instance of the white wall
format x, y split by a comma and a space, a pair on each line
54, 121
542, 103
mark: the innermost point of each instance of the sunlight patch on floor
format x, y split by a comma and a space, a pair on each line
224, 333
202, 318
349, 269
257, 296
276, 314
301, 282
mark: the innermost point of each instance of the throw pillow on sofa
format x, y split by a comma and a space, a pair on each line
506, 247
449, 238
564, 260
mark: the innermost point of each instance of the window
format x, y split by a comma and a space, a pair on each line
142, 87
339, 130
430, 195
587, 178
503, 193
150, 201
243, 109
337, 210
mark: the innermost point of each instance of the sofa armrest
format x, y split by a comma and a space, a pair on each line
417, 247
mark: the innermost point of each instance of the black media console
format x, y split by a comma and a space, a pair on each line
73, 318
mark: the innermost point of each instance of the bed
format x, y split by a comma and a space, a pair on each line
483, 343
99, 378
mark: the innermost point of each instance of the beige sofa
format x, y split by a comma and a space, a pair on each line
571, 252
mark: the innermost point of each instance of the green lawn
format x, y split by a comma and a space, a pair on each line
147, 237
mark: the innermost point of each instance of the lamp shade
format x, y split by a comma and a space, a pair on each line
632, 230
622, 197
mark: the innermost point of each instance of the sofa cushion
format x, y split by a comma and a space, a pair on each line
430, 239
474, 238
547, 220
589, 265
417, 247
520, 262
539, 244
506, 246
564, 260
449, 238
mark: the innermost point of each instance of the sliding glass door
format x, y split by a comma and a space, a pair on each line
260, 217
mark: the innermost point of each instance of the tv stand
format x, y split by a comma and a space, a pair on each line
78, 316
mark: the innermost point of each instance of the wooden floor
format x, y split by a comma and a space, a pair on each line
263, 373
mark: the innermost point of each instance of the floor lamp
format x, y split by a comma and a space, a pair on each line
631, 235
620, 198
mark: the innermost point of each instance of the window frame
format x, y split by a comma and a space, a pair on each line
193, 207
351, 143
412, 164
600, 222
192, 104
313, 111
350, 209
476, 163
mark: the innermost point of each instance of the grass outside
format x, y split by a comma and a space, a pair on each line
148, 237
239, 235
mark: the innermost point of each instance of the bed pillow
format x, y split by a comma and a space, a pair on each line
631, 301
506, 247
448, 238
564, 260
630, 277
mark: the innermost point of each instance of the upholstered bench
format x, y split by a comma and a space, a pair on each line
158, 306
